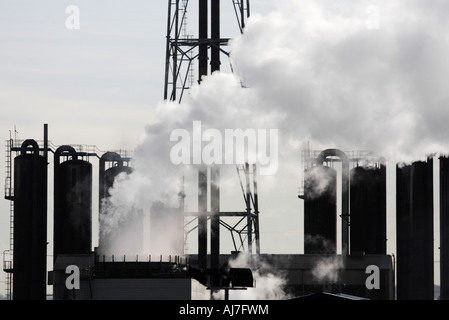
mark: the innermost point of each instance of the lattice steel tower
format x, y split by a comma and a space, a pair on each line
182, 50
207, 48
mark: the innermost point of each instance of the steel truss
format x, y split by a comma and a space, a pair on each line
181, 49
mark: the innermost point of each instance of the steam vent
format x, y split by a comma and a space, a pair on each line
352, 243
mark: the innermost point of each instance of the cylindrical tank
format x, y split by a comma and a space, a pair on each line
110, 175
368, 202
414, 231
125, 237
73, 204
444, 227
107, 176
30, 224
320, 210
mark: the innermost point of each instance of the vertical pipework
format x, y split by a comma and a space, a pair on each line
215, 217
256, 210
248, 210
167, 52
175, 54
215, 34
202, 218
345, 208
344, 194
203, 36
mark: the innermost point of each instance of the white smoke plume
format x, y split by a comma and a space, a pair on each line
316, 70
340, 82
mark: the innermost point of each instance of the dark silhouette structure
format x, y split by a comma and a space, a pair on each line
414, 231
72, 203
30, 223
444, 228
368, 204
183, 50
320, 210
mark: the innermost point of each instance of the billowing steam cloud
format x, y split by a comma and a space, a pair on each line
338, 78
318, 70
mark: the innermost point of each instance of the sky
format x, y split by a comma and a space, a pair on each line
354, 75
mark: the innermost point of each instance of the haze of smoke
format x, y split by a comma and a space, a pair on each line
327, 270
321, 241
318, 181
269, 283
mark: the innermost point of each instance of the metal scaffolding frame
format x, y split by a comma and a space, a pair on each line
181, 49
244, 230
181, 52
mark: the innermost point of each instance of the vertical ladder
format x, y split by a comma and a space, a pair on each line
9, 194
8, 181
11, 225
7, 255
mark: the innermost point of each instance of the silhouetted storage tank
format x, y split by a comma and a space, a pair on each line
320, 210
125, 237
30, 224
368, 202
73, 203
444, 228
107, 176
414, 231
